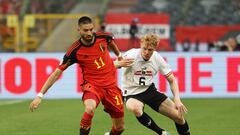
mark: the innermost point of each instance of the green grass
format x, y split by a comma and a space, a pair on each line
61, 117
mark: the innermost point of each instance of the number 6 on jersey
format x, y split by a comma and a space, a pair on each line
142, 80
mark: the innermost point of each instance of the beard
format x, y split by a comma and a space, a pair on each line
87, 38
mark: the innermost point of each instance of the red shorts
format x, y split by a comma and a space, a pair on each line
111, 98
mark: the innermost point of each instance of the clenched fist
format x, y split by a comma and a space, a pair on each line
35, 103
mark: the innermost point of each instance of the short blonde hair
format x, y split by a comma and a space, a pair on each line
150, 39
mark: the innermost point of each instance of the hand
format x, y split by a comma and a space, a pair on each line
119, 57
35, 103
127, 62
180, 106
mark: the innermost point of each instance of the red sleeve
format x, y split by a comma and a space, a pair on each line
107, 35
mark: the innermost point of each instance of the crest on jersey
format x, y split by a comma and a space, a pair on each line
144, 70
102, 48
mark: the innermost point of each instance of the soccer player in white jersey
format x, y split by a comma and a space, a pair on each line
137, 81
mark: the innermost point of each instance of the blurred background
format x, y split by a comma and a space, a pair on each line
183, 25
200, 39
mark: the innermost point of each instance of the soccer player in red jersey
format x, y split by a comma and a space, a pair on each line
99, 76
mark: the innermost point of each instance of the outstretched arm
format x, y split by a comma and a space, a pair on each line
125, 62
50, 81
175, 90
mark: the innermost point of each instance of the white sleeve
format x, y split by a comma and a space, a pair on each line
163, 66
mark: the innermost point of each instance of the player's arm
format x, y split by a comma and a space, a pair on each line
67, 61
125, 62
173, 85
175, 90
113, 46
50, 81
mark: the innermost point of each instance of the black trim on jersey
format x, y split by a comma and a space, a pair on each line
108, 38
72, 56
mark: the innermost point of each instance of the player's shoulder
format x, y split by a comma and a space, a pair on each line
157, 57
75, 45
103, 34
132, 52
156, 54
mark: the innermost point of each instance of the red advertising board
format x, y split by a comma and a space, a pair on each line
119, 25
198, 75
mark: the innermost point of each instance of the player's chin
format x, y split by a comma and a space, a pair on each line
146, 58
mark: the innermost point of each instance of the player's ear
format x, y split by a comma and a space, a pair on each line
78, 29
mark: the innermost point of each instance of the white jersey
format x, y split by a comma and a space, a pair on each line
137, 78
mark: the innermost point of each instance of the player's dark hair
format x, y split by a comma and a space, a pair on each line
84, 20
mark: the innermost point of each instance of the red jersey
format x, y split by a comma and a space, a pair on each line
94, 60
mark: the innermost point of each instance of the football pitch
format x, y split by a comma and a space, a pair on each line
61, 117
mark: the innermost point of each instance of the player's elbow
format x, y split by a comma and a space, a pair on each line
172, 80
